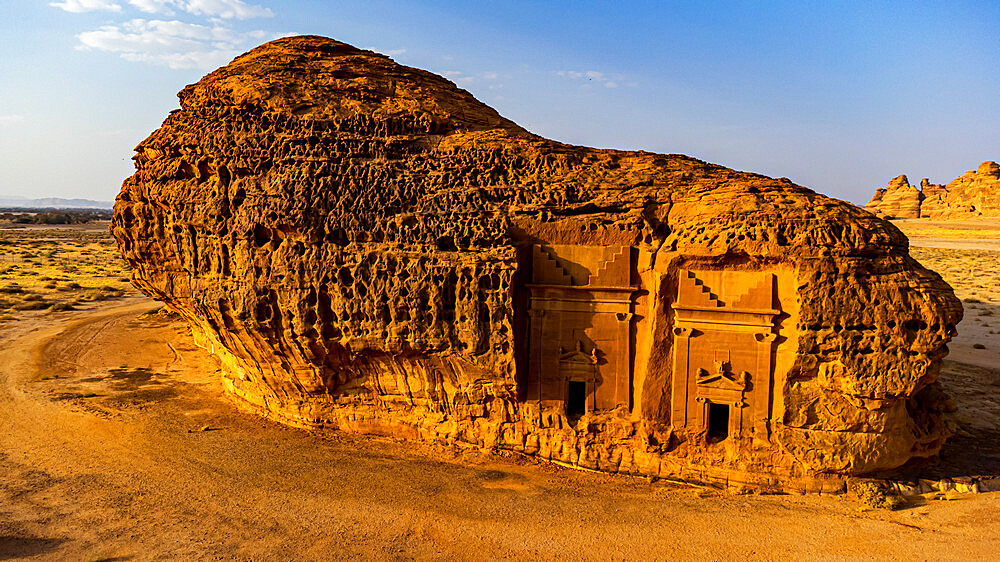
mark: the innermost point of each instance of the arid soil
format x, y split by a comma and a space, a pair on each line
117, 444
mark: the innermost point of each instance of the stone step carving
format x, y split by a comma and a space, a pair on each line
694, 292
615, 271
547, 270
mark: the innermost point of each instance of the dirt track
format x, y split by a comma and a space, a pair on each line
107, 462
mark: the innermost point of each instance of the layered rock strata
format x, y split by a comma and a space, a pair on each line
973, 194
368, 247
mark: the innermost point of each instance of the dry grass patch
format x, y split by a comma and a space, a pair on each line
979, 228
59, 269
974, 274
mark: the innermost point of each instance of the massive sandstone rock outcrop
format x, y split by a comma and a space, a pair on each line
368, 247
974, 194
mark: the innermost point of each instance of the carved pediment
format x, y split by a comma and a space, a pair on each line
723, 379
579, 358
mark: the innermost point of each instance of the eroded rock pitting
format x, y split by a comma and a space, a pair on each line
368, 247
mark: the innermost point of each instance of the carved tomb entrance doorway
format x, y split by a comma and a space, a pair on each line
724, 334
580, 314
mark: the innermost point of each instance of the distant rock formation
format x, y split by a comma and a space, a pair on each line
368, 247
53, 203
974, 194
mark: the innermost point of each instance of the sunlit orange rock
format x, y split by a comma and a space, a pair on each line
898, 200
367, 247
974, 194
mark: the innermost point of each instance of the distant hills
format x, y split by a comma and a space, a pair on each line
54, 203
973, 194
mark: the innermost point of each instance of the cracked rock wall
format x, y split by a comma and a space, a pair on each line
355, 239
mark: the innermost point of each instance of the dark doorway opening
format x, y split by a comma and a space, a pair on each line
718, 421
576, 399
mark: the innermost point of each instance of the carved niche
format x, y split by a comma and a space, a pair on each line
581, 308
724, 334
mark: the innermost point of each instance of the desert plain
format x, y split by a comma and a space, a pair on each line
119, 444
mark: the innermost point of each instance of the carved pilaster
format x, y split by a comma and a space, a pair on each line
763, 385
679, 389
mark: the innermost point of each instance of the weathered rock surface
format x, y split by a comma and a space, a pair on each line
974, 194
368, 247
898, 199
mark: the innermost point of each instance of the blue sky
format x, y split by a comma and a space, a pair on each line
837, 96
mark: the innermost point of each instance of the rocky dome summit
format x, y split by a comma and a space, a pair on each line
369, 248
321, 79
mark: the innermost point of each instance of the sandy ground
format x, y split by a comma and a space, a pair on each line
117, 444
967, 254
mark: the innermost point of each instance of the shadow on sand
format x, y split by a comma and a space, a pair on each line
15, 547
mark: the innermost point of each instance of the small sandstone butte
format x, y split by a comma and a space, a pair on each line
368, 247
974, 194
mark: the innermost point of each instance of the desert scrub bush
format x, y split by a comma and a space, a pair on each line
978, 346
11, 288
61, 307
874, 494
31, 305
102, 296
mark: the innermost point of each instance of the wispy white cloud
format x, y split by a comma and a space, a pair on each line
174, 44
80, 6
225, 9
11, 118
160, 7
205, 43
464, 79
591, 76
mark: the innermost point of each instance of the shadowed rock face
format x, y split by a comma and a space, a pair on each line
368, 247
